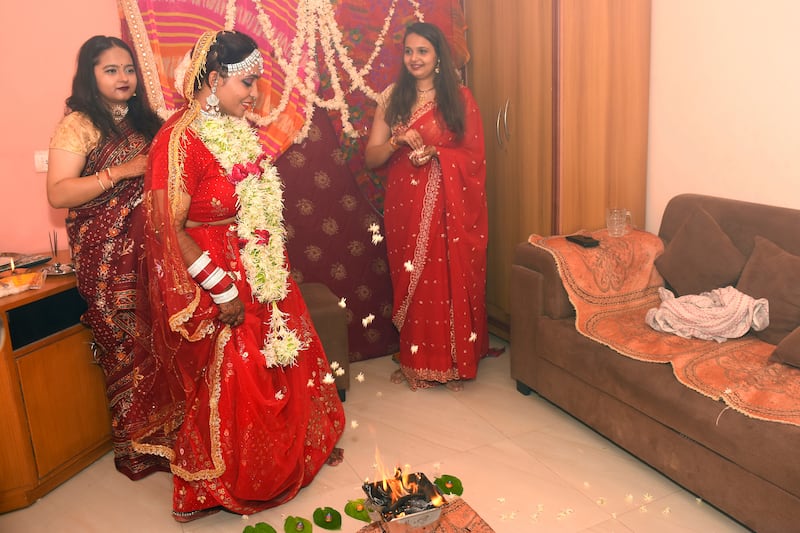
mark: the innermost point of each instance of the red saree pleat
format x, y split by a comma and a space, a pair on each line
436, 234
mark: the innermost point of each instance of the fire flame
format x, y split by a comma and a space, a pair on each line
399, 484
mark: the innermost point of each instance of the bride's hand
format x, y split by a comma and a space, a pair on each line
232, 313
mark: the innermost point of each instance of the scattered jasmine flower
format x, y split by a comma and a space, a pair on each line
335, 365
473, 337
354, 424
647, 497
456, 239
245, 517
360, 377
374, 228
414, 348
643, 509
342, 302
367, 320
377, 238
414, 182
409, 266
328, 378
339, 371
310, 383
279, 395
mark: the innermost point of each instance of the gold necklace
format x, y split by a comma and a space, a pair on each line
421, 94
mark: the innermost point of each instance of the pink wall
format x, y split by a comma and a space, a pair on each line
40, 42
723, 104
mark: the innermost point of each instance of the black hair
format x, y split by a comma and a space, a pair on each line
229, 47
449, 101
86, 97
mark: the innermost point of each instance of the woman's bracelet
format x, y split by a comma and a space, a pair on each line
213, 279
110, 178
99, 181
231, 293
199, 264
393, 143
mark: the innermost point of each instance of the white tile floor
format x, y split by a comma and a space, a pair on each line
525, 466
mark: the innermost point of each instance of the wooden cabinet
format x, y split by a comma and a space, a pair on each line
55, 416
563, 90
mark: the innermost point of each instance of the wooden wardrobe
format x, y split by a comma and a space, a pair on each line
563, 90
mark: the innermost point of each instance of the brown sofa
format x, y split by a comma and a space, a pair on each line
746, 467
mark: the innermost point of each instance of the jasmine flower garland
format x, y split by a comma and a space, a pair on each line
259, 219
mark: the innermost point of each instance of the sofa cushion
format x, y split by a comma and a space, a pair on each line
788, 350
700, 258
774, 274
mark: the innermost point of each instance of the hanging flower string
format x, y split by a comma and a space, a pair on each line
259, 219
317, 17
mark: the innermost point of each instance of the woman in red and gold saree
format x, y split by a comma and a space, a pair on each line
96, 167
241, 398
428, 130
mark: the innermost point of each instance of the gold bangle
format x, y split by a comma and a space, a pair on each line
97, 175
111, 179
393, 143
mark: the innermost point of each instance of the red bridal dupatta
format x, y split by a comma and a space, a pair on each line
436, 234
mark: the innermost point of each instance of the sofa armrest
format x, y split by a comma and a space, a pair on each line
554, 300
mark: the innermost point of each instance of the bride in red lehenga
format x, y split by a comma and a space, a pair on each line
233, 386
428, 130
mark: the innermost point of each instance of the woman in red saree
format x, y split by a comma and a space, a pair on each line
96, 167
427, 129
235, 385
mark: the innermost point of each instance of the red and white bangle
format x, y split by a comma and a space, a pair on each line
213, 279
231, 293
199, 264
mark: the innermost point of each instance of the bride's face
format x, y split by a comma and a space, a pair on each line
237, 94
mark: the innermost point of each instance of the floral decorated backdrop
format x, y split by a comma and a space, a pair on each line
325, 63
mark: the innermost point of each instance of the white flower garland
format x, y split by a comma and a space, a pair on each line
318, 17
313, 17
259, 219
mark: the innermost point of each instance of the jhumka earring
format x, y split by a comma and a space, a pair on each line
437, 69
212, 101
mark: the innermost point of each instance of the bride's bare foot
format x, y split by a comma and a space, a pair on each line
455, 386
336, 457
397, 377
